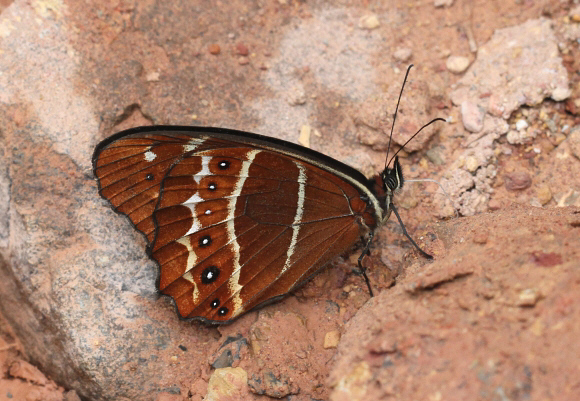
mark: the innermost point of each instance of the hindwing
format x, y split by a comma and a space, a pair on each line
234, 220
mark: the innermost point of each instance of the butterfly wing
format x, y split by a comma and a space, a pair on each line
233, 219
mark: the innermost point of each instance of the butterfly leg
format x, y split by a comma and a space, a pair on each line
425, 254
363, 270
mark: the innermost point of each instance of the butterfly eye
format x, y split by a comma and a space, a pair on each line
205, 241
224, 165
215, 303
149, 177
210, 274
223, 311
391, 183
212, 186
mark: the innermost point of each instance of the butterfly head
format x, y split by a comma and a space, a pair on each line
392, 177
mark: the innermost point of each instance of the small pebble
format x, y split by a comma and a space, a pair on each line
302, 354
443, 3
152, 77
242, 49
243, 60
521, 124
369, 22
402, 54
560, 94
457, 64
472, 116
565, 129
471, 164
331, 339
214, 49
544, 194
517, 180
304, 138
528, 297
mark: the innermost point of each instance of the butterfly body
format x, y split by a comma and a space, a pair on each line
236, 220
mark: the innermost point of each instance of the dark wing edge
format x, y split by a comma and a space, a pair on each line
256, 140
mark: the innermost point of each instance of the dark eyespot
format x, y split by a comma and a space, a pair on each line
205, 241
224, 165
149, 177
212, 186
223, 311
210, 274
215, 303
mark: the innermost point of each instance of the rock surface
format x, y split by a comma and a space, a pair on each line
492, 269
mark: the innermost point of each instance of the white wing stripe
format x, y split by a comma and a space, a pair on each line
234, 281
297, 216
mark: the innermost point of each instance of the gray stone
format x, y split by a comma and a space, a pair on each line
527, 66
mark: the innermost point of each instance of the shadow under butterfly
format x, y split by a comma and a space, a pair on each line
237, 220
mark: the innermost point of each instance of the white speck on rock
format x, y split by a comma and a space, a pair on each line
457, 64
521, 125
560, 94
369, 22
442, 3
402, 54
471, 164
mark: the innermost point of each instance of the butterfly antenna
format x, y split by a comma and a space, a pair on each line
415, 134
395, 115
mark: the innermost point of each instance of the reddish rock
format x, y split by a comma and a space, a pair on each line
517, 180
448, 323
242, 49
214, 49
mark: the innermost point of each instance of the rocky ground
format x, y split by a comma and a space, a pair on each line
495, 316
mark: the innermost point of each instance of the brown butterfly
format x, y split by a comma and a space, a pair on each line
236, 220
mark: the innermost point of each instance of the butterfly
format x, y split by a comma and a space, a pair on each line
237, 220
